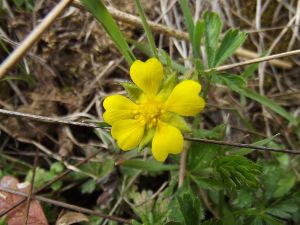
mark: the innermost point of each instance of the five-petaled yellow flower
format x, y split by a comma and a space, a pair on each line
156, 115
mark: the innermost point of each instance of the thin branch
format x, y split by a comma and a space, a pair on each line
34, 36
68, 206
258, 60
239, 145
49, 183
67, 122
46, 119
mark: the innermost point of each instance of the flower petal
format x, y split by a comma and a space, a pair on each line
147, 75
128, 133
185, 100
167, 139
117, 108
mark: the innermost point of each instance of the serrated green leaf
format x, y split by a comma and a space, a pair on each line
213, 27
232, 40
284, 209
191, 210
230, 80
237, 171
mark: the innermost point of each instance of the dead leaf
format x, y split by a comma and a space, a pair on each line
67, 218
36, 214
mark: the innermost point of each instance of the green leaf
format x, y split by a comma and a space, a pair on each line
193, 30
213, 27
88, 187
196, 40
268, 103
232, 40
216, 133
230, 80
57, 167
148, 165
284, 209
132, 90
188, 18
146, 28
207, 183
284, 185
191, 209
237, 171
245, 198
98, 9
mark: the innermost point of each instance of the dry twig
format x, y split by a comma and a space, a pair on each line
66, 122
35, 35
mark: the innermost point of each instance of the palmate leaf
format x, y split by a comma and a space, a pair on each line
99, 11
237, 171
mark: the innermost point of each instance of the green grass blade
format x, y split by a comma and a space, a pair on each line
196, 41
236, 83
268, 103
146, 28
188, 19
98, 9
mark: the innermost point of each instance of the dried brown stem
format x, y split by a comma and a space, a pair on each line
239, 145
45, 119
66, 122
34, 36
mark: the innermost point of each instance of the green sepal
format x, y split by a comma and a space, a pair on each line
177, 121
167, 87
148, 136
133, 91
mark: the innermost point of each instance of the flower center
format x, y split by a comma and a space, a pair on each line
149, 112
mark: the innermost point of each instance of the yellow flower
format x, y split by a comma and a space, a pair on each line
156, 115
